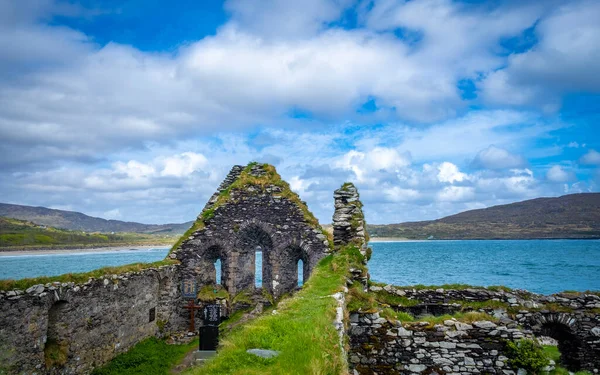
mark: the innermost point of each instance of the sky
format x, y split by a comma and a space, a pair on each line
136, 109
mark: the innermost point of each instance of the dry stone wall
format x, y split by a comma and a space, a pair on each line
378, 346
89, 323
572, 319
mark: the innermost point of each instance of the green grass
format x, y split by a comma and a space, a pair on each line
553, 353
82, 277
302, 330
211, 293
150, 357
477, 305
394, 300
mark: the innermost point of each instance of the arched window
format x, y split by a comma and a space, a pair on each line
258, 268
255, 246
300, 272
218, 272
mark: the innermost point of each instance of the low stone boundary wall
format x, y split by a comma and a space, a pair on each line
87, 324
574, 301
378, 346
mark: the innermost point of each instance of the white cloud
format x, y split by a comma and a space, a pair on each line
183, 164
592, 157
456, 194
566, 59
449, 172
557, 174
497, 158
398, 194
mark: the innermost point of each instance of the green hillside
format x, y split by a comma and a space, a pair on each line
569, 216
24, 234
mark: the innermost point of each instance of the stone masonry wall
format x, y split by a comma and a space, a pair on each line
349, 226
572, 319
91, 322
253, 218
378, 346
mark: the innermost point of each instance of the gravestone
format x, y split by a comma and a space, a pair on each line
209, 333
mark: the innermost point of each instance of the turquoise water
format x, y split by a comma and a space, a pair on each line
541, 266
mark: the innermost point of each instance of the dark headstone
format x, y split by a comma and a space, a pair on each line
209, 338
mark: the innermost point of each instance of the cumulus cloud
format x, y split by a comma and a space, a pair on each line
497, 158
566, 59
91, 99
557, 174
592, 157
449, 172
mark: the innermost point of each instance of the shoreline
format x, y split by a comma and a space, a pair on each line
18, 252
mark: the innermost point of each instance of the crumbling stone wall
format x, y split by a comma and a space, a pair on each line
90, 322
378, 346
349, 226
253, 217
570, 318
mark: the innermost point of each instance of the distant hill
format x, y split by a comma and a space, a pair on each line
71, 220
569, 216
21, 234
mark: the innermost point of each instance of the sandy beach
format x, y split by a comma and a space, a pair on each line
389, 239
82, 250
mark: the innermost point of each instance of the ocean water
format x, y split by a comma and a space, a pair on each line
541, 266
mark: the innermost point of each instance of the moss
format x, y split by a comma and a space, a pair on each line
268, 296
209, 293
245, 180
359, 300
394, 300
161, 325
468, 317
476, 305
243, 297
55, 353
79, 278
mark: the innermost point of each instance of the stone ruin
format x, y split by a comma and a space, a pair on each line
254, 211
349, 227
240, 220
90, 323
383, 346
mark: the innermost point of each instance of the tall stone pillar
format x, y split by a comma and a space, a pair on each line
349, 226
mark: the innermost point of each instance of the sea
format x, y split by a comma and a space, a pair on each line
540, 266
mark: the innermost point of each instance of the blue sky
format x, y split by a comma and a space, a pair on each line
135, 110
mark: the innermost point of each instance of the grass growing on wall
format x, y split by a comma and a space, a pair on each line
301, 329
150, 357
245, 180
82, 277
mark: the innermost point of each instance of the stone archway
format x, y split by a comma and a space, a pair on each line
569, 345
562, 328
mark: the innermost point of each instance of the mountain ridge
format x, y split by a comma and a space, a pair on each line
567, 216
72, 220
